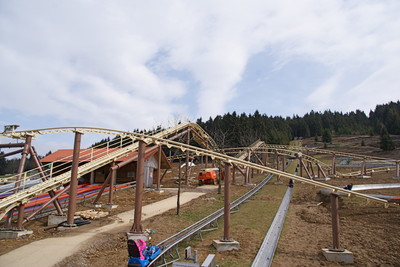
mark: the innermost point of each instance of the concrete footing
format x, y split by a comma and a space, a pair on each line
363, 176
109, 206
135, 236
338, 256
101, 206
322, 178
159, 191
249, 184
10, 234
226, 245
55, 219
278, 182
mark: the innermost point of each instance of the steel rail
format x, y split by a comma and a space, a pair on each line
267, 250
175, 239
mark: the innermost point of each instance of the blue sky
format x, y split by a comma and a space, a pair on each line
136, 64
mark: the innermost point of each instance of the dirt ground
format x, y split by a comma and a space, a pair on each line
369, 230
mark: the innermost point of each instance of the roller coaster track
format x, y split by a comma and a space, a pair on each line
175, 239
289, 151
22, 197
316, 150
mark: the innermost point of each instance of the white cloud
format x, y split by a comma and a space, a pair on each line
88, 61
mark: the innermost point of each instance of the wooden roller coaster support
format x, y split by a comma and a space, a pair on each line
333, 169
277, 159
311, 169
363, 168
137, 224
283, 163
21, 167
247, 176
73, 189
320, 171
227, 203
303, 165
187, 159
397, 175
34, 156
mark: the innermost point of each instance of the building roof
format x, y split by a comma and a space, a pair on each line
89, 154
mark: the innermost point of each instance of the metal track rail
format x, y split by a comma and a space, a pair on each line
175, 239
267, 250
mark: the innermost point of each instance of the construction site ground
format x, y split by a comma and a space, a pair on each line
369, 230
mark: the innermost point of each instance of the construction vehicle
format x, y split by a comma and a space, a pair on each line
209, 176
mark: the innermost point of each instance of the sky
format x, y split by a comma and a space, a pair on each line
137, 64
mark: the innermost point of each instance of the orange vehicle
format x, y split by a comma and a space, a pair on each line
209, 176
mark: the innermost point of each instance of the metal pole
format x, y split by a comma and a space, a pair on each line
334, 164
335, 221
187, 159
137, 224
112, 184
74, 180
364, 167
227, 202
178, 199
219, 180
301, 166
159, 169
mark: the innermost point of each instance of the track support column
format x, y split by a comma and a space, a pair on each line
158, 174
137, 229
226, 242
187, 159
113, 179
336, 253
74, 180
333, 169
397, 174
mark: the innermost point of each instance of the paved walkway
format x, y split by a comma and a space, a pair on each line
50, 251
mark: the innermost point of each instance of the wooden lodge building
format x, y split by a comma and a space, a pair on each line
61, 161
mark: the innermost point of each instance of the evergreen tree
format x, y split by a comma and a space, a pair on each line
386, 143
327, 136
2, 164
